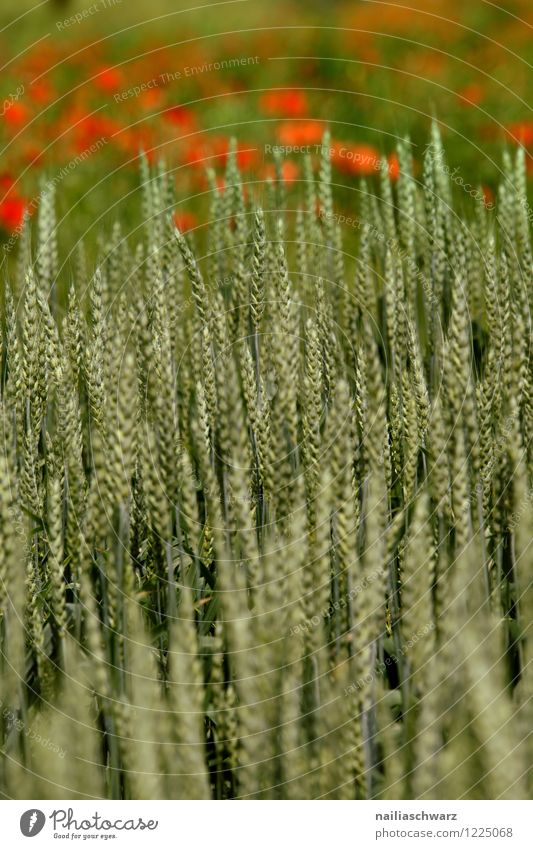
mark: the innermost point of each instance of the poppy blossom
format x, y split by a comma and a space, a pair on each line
394, 166
7, 181
151, 98
131, 141
290, 104
246, 156
185, 221
300, 132
180, 115
12, 213
471, 95
366, 159
41, 92
360, 159
85, 129
488, 195
521, 132
339, 156
196, 152
109, 79
15, 113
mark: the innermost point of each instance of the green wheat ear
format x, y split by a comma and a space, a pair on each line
265, 518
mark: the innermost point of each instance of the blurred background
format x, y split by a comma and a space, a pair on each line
86, 85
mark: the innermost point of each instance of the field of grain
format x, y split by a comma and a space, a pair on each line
265, 502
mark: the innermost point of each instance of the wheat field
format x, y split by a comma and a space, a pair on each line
265, 497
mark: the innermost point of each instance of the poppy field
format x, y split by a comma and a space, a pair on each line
104, 81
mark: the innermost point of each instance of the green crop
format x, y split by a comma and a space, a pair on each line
265, 510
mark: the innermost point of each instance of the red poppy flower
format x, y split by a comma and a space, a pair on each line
471, 95
290, 104
134, 140
300, 132
521, 132
339, 156
6, 182
41, 92
109, 79
185, 221
394, 166
246, 156
361, 159
85, 130
180, 115
151, 98
16, 114
220, 147
196, 153
488, 195
12, 213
